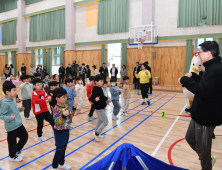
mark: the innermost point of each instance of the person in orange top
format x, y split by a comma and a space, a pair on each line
39, 104
89, 88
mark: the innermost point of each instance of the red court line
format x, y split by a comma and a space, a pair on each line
171, 148
43, 126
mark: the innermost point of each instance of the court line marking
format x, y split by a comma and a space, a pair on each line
161, 142
123, 135
105, 131
81, 136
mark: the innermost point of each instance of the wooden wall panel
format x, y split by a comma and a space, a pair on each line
2, 64
168, 65
69, 57
23, 58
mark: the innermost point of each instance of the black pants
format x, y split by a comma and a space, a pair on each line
61, 80
150, 86
13, 145
91, 110
27, 104
32, 77
200, 140
61, 141
83, 80
144, 90
74, 77
136, 83
40, 121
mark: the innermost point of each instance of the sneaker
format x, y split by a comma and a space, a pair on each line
113, 117
96, 137
53, 135
92, 117
125, 114
148, 102
213, 160
54, 168
149, 94
29, 118
19, 154
71, 126
188, 109
42, 138
117, 118
26, 117
6, 131
143, 103
213, 136
128, 112
65, 166
80, 112
15, 159
101, 136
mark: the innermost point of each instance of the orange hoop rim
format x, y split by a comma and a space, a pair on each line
141, 41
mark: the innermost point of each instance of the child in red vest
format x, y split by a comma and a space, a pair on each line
89, 88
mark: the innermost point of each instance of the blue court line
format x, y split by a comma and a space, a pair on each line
70, 129
72, 139
108, 130
123, 135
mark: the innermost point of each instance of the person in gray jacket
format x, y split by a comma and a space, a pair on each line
32, 71
74, 70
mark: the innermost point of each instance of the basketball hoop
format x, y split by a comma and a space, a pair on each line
140, 45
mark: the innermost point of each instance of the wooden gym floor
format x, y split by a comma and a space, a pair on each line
143, 128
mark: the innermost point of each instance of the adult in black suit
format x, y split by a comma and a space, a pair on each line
82, 72
113, 72
150, 83
136, 80
104, 71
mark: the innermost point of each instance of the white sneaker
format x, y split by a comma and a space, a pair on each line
29, 118
125, 114
42, 138
213, 160
15, 159
65, 166
6, 131
101, 136
26, 117
53, 135
93, 117
113, 117
54, 168
128, 112
19, 154
80, 112
96, 137
117, 118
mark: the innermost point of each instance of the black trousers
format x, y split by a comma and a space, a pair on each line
32, 77
61, 141
40, 121
27, 104
200, 140
61, 80
13, 145
83, 80
150, 86
144, 90
136, 83
92, 109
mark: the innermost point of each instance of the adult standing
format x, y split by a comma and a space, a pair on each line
32, 71
123, 72
68, 70
144, 76
44, 70
113, 72
6, 71
88, 73
82, 72
61, 73
74, 70
40, 71
11, 70
96, 71
23, 69
136, 80
150, 84
206, 108
104, 71
37, 69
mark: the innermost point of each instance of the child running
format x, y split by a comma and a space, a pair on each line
9, 113
89, 88
62, 118
40, 109
80, 91
99, 103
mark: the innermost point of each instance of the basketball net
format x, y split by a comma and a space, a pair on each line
140, 45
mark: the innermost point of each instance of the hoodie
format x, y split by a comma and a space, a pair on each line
26, 91
71, 94
13, 81
114, 93
8, 107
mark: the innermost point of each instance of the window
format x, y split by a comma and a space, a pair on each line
57, 56
40, 57
114, 57
9, 58
200, 41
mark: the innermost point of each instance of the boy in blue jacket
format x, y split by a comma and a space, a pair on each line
71, 93
115, 92
9, 112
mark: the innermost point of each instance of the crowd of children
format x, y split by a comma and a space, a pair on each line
64, 103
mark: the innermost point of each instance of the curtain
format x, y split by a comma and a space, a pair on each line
189, 52
6, 58
220, 46
124, 54
103, 55
33, 58
14, 63
44, 57
9, 33
113, 16
47, 26
62, 56
192, 13
6, 5
27, 2
49, 63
